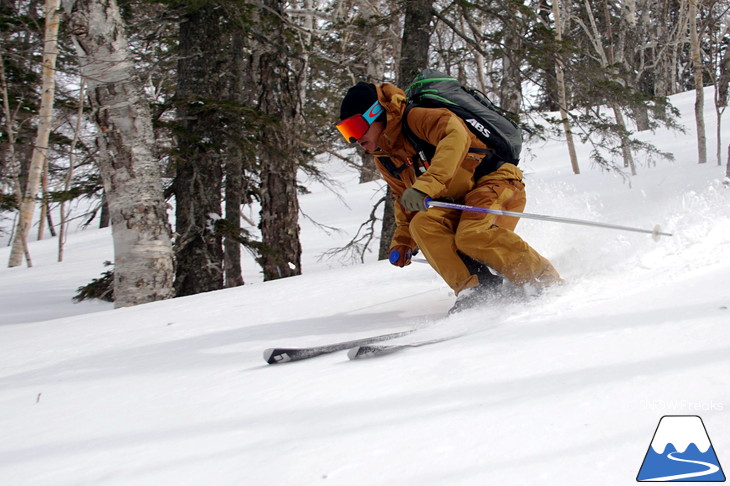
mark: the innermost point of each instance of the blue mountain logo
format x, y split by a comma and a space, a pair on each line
681, 451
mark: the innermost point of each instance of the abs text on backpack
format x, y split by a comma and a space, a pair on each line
434, 89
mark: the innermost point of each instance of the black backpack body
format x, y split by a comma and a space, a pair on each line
434, 89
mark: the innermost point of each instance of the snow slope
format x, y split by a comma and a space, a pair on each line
564, 390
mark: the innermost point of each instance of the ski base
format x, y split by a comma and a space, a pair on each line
285, 355
372, 351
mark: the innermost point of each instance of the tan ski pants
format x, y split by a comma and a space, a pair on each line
488, 238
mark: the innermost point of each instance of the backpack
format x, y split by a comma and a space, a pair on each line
434, 89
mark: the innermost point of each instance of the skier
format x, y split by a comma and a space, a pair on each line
458, 245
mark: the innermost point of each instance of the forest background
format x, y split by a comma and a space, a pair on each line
167, 118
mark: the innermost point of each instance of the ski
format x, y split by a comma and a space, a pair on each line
371, 351
285, 355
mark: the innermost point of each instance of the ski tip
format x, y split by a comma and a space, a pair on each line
273, 356
369, 351
267, 355
353, 352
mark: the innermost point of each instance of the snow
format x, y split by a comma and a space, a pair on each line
566, 389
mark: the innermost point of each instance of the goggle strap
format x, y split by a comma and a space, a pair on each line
373, 112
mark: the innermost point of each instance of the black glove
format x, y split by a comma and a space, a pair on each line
414, 200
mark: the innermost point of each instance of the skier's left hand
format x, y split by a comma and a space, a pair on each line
400, 255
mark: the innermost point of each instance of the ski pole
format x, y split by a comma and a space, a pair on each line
655, 233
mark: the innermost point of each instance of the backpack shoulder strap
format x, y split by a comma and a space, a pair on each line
423, 149
388, 164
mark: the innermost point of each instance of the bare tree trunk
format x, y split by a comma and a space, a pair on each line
388, 227
44, 199
367, 169
70, 174
49, 218
417, 31
375, 70
143, 259
231, 246
607, 60
562, 97
235, 184
104, 217
9, 122
510, 92
624, 136
677, 47
721, 98
413, 57
40, 150
280, 103
199, 158
698, 72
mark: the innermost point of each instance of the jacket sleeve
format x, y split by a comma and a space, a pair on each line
401, 234
447, 133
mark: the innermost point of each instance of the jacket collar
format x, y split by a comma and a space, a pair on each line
393, 100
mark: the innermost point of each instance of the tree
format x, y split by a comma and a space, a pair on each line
698, 70
719, 64
722, 101
417, 29
142, 247
363, 37
561, 91
199, 157
40, 150
280, 103
235, 185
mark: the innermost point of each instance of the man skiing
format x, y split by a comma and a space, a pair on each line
458, 245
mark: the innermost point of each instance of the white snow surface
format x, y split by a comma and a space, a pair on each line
566, 389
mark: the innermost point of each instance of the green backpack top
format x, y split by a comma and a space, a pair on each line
434, 89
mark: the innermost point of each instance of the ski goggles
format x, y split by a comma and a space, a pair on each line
354, 127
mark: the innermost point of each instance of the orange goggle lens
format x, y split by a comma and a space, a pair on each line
353, 128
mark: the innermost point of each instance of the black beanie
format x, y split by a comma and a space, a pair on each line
358, 99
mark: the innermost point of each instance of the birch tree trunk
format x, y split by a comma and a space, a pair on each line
607, 60
143, 256
374, 70
698, 73
10, 131
510, 90
40, 150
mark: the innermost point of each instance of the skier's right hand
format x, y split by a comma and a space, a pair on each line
414, 200
400, 255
